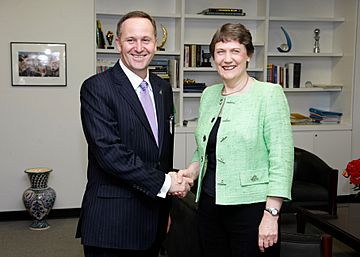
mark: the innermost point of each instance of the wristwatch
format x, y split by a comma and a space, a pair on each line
272, 211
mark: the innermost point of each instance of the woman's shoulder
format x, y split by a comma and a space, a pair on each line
266, 86
212, 91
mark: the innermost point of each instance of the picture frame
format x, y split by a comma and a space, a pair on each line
38, 64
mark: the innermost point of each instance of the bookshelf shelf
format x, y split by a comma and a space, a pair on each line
333, 66
306, 19
312, 89
315, 55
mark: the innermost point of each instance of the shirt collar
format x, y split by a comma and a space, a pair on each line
135, 80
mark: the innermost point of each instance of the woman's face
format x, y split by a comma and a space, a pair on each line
230, 59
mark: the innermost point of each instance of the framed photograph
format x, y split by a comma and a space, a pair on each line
38, 64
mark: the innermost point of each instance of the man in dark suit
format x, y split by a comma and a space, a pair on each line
130, 144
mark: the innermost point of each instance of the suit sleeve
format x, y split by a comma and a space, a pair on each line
105, 144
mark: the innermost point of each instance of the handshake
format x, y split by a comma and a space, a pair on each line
181, 182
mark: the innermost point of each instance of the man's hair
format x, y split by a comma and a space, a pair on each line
135, 14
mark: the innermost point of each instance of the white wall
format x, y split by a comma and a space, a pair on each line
356, 99
40, 126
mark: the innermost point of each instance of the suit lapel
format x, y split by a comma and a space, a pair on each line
130, 96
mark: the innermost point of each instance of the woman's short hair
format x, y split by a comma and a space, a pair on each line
230, 32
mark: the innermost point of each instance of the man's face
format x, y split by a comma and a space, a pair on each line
137, 45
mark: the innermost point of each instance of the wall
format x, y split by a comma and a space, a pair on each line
40, 126
356, 98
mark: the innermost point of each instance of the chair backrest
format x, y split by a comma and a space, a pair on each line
305, 245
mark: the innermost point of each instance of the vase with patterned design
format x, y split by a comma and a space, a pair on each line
39, 198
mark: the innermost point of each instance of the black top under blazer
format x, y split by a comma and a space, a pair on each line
126, 169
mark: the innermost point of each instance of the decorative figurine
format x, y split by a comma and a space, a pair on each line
100, 41
160, 47
317, 39
284, 48
109, 38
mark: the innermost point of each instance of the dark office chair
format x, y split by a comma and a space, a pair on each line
314, 184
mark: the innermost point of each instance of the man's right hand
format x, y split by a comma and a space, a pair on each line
180, 186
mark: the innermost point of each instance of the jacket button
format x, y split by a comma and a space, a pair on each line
202, 158
204, 138
212, 120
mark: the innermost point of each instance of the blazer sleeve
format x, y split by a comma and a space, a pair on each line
279, 142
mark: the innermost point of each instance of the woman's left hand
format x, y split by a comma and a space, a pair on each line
268, 231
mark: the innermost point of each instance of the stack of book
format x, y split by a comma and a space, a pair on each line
191, 86
300, 119
287, 76
165, 69
223, 11
325, 117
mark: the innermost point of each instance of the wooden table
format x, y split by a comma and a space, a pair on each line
345, 226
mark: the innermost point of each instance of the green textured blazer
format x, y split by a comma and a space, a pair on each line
254, 146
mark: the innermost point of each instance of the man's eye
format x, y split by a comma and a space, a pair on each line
146, 40
130, 40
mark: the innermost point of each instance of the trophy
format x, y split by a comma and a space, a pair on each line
100, 41
160, 47
205, 59
317, 38
109, 38
285, 47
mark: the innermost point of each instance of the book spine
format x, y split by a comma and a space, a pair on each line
173, 73
193, 56
224, 10
297, 74
290, 74
225, 13
186, 56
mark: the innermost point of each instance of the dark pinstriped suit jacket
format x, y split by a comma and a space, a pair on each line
126, 169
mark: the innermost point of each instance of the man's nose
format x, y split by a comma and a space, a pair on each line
139, 45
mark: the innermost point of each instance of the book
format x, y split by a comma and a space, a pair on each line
187, 56
297, 74
324, 113
289, 75
221, 10
299, 119
173, 73
292, 75
223, 13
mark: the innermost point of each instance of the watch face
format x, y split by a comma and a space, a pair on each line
273, 211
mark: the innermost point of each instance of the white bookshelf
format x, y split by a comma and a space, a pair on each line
333, 66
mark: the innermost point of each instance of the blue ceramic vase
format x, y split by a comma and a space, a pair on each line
39, 198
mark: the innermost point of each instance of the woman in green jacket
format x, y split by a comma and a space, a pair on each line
244, 155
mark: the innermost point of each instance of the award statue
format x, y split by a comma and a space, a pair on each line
109, 38
100, 41
317, 39
285, 47
160, 47
205, 59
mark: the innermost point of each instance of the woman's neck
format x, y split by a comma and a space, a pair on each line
237, 87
